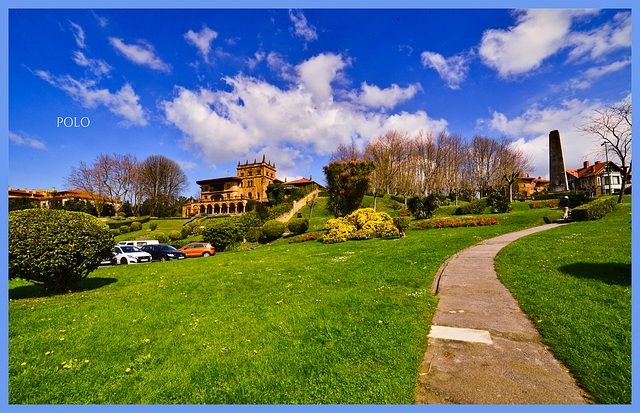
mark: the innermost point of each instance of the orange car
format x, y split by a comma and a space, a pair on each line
198, 249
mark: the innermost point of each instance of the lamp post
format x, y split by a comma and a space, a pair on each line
606, 153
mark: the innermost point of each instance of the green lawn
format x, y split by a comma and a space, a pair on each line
302, 323
574, 282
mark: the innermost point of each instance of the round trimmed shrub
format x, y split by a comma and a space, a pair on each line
56, 248
185, 231
135, 226
298, 225
222, 233
124, 229
175, 235
115, 232
273, 229
153, 226
162, 237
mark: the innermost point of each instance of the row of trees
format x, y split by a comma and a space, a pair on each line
444, 164
154, 184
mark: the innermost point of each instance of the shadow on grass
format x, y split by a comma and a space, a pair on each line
36, 290
611, 273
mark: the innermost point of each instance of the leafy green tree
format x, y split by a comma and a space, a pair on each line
347, 182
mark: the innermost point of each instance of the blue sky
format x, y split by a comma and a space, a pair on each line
209, 88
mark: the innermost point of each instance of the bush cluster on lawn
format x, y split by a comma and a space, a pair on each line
576, 198
312, 236
402, 223
364, 223
273, 229
455, 223
595, 209
546, 204
253, 234
423, 207
223, 233
477, 206
499, 203
117, 223
298, 225
56, 248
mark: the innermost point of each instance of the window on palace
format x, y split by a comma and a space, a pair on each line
241, 173
250, 173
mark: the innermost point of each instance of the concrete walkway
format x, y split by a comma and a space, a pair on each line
482, 348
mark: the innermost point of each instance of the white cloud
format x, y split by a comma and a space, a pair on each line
102, 21
586, 79
317, 74
539, 33
202, 40
97, 66
143, 54
258, 57
26, 140
453, 70
79, 35
302, 28
255, 116
123, 103
374, 97
277, 64
611, 36
531, 131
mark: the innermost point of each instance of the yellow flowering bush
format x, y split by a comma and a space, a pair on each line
362, 224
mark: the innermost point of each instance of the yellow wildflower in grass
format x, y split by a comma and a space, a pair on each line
24, 364
127, 370
379, 321
86, 361
61, 338
146, 340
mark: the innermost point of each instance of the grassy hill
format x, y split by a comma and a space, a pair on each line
301, 323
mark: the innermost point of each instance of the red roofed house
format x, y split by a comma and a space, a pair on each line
594, 179
528, 185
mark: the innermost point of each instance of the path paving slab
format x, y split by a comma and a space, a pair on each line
482, 348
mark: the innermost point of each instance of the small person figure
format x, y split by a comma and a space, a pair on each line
564, 204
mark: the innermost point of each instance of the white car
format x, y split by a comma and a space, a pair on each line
127, 254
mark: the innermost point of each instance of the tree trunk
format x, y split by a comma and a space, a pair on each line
624, 184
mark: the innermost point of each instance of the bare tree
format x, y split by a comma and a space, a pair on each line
484, 164
612, 126
116, 172
452, 156
87, 178
346, 153
387, 152
426, 153
512, 163
162, 181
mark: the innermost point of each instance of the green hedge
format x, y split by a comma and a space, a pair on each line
476, 206
595, 209
115, 224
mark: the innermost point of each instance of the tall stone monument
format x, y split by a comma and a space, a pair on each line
557, 170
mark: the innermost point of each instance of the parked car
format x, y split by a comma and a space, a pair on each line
163, 252
139, 243
108, 260
198, 249
128, 254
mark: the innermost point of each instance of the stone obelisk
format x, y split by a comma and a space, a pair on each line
557, 170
